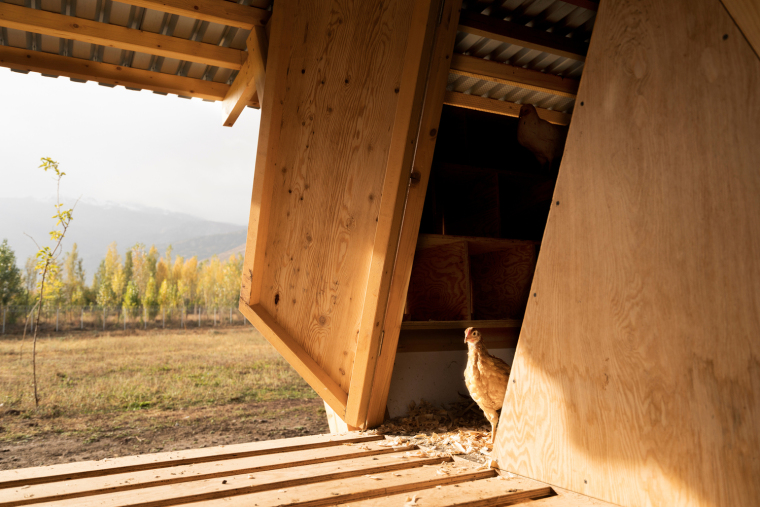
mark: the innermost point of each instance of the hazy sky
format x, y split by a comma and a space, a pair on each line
125, 146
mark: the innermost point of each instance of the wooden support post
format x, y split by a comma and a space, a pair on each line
250, 80
336, 424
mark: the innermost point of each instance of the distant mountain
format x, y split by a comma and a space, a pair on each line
205, 247
240, 249
96, 225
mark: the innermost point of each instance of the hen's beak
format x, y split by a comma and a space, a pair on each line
467, 333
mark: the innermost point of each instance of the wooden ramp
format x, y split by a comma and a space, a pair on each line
352, 469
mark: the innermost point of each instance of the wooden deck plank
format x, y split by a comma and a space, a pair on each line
239, 484
70, 471
355, 489
187, 473
474, 493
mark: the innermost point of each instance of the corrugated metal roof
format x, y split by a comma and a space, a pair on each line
115, 13
553, 16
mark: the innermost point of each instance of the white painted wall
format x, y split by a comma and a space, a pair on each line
435, 377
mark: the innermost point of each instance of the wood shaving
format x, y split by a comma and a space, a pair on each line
411, 502
456, 429
373, 477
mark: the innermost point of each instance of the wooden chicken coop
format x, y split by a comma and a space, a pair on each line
393, 207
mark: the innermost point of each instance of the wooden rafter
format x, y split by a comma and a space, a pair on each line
501, 107
106, 73
472, 66
520, 35
250, 80
591, 5
94, 32
215, 11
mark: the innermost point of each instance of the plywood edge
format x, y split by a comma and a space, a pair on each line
293, 353
425, 147
280, 44
746, 16
390, 216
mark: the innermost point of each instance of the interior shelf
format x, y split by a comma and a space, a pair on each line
461, 324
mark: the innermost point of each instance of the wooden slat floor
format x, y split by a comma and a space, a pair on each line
352, 469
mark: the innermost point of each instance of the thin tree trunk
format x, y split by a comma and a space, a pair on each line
34, 343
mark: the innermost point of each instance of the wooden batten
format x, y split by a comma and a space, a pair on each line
442, 52
330, 183
501, 107
472, 66
214, 11
521, 35
637, 370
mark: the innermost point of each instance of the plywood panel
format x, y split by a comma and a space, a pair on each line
344, 92
439, 287
501, 282
637, 374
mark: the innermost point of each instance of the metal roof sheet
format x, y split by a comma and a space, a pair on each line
140, 18
554, 16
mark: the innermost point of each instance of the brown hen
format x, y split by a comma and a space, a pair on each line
486, 378
546, 141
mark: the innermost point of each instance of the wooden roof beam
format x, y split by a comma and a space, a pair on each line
501, 107
520, 35
490, 70
106, 73
250, 80
215, 11
104, 34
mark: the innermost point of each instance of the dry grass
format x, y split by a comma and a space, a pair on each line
111, 373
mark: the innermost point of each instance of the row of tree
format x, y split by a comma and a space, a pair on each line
141, 278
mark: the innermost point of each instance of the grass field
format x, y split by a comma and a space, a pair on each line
113, 376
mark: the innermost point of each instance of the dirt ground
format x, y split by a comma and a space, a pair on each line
139, 432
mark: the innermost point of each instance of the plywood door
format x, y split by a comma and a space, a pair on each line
345, 84
637, 375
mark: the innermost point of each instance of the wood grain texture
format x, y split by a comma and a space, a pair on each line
245, 484
501, 282
746, 14
637, 375
435, 87
391, 214
195, 471
439, 287
339, 121
482, 493
501, 107
157, 461
249, 83
296, 356
373, 489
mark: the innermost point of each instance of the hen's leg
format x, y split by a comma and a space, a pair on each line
493, 418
